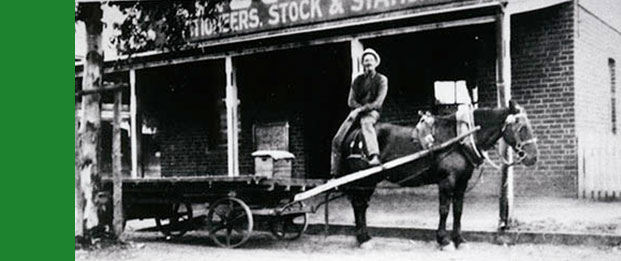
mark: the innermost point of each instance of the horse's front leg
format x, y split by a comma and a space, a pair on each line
458, 203
446, 193
360, 203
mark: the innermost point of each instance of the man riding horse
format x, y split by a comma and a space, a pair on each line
449, 168
366, 96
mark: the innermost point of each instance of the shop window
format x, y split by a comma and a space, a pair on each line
613, 94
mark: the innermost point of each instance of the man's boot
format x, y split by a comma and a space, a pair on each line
375, 161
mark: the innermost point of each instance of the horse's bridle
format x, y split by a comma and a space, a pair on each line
510, 122
429, 138
516, 127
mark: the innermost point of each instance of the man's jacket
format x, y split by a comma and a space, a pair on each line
369, 91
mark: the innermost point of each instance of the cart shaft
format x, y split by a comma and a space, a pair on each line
374, 170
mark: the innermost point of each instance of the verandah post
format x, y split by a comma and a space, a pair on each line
136, 126
503, 77
117, 183
356, 50
231, 118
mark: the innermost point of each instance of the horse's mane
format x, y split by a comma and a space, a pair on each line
484, 113
446, 117
492, 115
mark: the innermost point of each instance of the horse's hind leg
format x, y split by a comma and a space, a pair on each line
360, 203
446, 193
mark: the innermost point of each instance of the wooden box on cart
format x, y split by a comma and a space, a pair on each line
272, 158
277, 164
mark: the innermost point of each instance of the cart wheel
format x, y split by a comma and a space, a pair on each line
176, 224
290, 227
229, 222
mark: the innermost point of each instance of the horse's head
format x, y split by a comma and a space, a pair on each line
424, 129
518, 133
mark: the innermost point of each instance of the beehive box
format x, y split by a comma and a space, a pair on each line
277, 164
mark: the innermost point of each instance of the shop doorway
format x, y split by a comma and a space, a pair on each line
416, 63
305, 87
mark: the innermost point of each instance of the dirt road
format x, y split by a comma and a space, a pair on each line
197, 246
420, 210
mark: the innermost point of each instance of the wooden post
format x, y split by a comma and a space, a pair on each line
136, 126
503, 76
117, 183
356, 51
79, 197
231, 118
89, 132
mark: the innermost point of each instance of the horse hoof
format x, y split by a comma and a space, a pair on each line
447, 248
463, 246
367, 245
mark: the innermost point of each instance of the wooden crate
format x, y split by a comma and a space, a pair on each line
270, 164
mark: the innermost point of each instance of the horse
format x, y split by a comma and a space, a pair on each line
450, 168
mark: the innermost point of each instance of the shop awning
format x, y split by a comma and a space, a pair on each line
522, 6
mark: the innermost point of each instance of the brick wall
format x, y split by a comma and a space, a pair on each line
184, 102
543, 49
543, 83
186, 152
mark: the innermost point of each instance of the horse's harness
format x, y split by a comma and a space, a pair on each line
476, 156
516, 126
425, 131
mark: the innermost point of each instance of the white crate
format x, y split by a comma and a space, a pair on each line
273, 164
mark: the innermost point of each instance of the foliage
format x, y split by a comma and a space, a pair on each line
149, 26
156, 25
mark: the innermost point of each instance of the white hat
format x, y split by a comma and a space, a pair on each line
371, 52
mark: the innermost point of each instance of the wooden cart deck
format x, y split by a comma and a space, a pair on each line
246, 179
252, 198
254, 190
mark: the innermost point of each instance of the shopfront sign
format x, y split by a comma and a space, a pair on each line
249, 16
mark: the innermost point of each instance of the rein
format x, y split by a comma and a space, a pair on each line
511, 119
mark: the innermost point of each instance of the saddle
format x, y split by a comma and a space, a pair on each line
421, 135
357, 148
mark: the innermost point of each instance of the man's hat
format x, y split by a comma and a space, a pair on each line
371, 52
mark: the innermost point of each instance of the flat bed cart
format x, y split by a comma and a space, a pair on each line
236, 205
